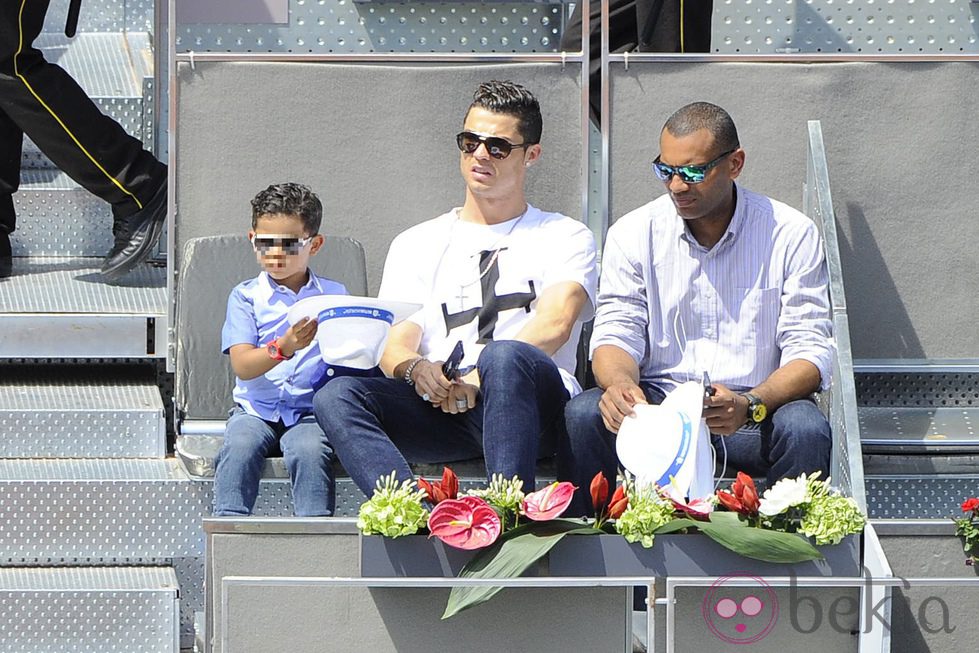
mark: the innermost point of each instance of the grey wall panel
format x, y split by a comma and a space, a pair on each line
376, 142
901, 140
937, 618
342, 619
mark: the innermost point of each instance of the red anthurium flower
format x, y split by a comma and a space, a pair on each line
439, 491
548, 503
599, 491
698, 509
467, 523
619, 503
969, 505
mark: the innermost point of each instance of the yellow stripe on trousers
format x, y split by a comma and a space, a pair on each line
20, 47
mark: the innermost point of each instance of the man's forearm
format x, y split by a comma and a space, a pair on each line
795, 380
611, 365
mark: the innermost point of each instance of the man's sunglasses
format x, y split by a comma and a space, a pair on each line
689, 174
288, 244
498, 148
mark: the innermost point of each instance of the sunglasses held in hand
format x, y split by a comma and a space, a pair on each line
498, 148
689, 174
290, 245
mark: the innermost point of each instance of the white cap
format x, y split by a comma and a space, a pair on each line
352, 331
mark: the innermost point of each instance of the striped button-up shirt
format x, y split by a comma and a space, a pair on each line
751, 303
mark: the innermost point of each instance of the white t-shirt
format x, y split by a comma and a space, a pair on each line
479, 283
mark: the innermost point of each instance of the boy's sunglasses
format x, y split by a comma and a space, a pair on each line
288, 244
689, 174
498, 148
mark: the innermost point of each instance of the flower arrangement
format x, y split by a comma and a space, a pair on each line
967, 528
511, 530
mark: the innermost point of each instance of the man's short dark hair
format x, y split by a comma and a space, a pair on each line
704, 115
289, 199
511, 99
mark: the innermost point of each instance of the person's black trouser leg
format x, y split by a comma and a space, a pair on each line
11, 139
43, 101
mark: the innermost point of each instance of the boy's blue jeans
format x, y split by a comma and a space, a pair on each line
795, 439
378, 425
248, 440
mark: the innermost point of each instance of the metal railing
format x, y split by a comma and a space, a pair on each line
846, 464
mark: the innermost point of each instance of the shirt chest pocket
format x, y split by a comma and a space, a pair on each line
756, 320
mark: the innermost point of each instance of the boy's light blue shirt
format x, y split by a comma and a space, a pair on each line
257, 311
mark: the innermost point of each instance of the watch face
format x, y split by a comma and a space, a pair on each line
758, 413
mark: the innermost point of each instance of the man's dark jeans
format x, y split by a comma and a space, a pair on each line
793, 440
377, 426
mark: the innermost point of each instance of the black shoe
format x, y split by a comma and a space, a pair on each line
6, 255
136, 236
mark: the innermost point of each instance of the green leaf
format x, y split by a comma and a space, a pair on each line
758, 543
509, 557
675, 525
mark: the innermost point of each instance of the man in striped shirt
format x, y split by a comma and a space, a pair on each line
710, 277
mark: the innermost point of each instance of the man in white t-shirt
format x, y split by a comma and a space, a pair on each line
510, 282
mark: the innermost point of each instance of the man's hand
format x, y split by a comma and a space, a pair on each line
430, 381
297, 337
617, 402
726, 411
462, 396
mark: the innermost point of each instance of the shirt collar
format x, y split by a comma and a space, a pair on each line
271, 289
733, 228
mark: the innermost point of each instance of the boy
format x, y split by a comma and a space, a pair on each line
278, 367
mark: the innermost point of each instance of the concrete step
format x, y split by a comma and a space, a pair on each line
61, 308
80, 412
88, 609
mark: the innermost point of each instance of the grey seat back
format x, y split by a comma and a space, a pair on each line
209, 268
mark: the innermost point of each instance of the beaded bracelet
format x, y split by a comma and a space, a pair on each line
410, 369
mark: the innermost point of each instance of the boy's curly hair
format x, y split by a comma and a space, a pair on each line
289, 199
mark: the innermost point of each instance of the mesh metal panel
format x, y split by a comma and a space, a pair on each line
915, 497
876, 27
918, 389
326, 26
131, 610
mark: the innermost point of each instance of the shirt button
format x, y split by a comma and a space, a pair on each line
331, 372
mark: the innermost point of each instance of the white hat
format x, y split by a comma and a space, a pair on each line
352, 330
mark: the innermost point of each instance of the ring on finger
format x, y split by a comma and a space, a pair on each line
461, 403
426, 397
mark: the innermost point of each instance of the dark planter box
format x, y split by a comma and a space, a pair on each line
687, 555
602, 555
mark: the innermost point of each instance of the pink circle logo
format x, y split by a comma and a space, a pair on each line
738, 612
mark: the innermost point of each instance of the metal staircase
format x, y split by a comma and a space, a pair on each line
96, 524
919, 425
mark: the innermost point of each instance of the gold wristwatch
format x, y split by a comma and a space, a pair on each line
757, 410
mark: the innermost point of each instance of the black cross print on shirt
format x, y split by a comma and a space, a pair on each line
493, 304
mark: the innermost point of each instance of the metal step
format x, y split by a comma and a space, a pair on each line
115, 70
919, 496
102, 16
93, 511
76, 610
60, 308
58, 218
886, 429
80, 412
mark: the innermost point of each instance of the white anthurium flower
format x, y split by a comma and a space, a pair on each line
783, 495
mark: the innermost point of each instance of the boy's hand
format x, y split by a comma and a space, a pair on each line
298, 336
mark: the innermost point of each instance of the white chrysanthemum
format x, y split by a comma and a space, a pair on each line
785, 494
